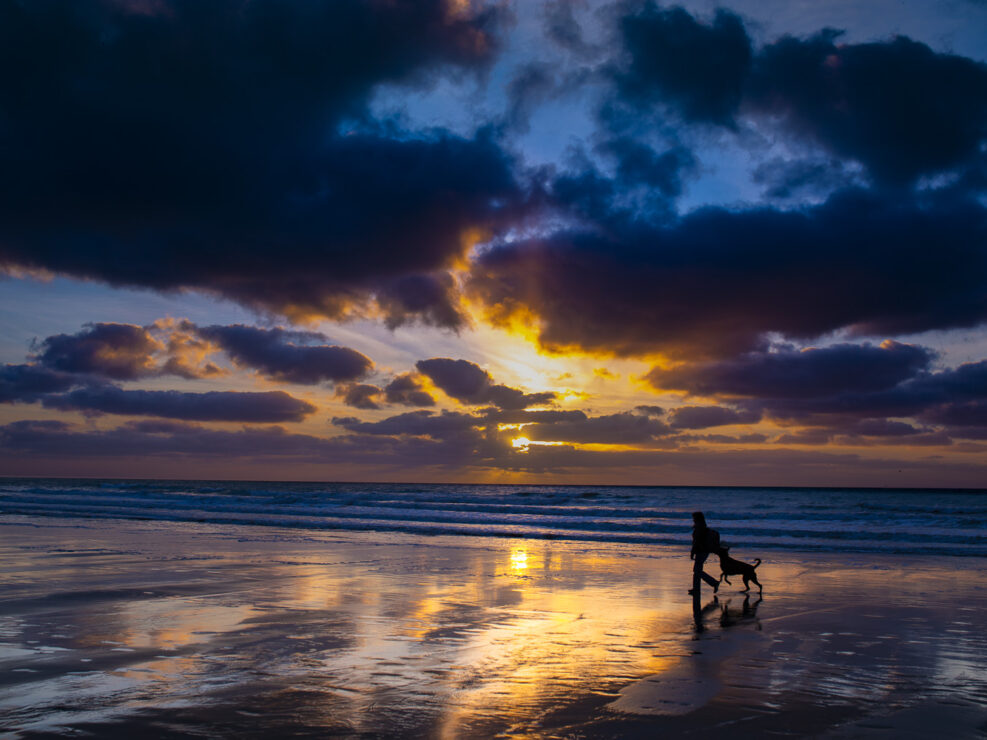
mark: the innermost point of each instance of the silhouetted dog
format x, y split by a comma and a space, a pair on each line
732, 567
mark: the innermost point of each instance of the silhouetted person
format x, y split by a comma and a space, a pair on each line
704, 542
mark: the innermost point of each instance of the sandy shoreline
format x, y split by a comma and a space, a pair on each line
164, 629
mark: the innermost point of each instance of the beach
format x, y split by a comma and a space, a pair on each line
123, 628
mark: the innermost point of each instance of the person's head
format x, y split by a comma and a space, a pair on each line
698, 519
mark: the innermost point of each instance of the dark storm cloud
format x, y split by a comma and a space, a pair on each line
407, 390
703, 417
790, 373
202, 150
117, 351
430, 298
697, 68
468, 383
626, 275
926, 395
29, 383
288, 356
360, 396
265, 407
898, 107
716, 281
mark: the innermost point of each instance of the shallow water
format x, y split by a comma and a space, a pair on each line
137, 628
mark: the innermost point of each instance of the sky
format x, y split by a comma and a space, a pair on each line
559, 241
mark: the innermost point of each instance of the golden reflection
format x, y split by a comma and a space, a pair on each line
492, 634
519, 560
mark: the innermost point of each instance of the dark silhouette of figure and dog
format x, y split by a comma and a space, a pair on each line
706, 542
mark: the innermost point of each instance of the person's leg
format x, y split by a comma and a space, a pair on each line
697, 570
698, 573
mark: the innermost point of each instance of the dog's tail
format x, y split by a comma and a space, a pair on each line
757, 563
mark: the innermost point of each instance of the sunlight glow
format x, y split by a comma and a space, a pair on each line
523, 444
519, 560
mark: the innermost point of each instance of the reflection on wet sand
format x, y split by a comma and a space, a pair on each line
454, 639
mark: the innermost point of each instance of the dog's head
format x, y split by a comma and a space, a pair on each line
724, 551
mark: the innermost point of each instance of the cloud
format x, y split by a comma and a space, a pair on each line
717, 281
228, 148
787, 372
698, 69
787, 179
724, 439
186, 352
360, 396
926, 395
521, 416
965, 414
702, 417
650, 410
562, 27
60, 440
265, 407
30, 383
620, 428
637, 165
117, 351
407, 390
280, 355
929, 115
446, 425
57, 445
468, 383
178, 347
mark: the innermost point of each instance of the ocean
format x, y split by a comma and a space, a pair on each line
750, 520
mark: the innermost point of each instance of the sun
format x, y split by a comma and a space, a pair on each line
521, 443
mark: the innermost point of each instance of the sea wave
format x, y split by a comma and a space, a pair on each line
749, 519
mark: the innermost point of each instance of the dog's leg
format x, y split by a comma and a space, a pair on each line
760, 588
747, 585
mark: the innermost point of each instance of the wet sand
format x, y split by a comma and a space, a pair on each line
154, 629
